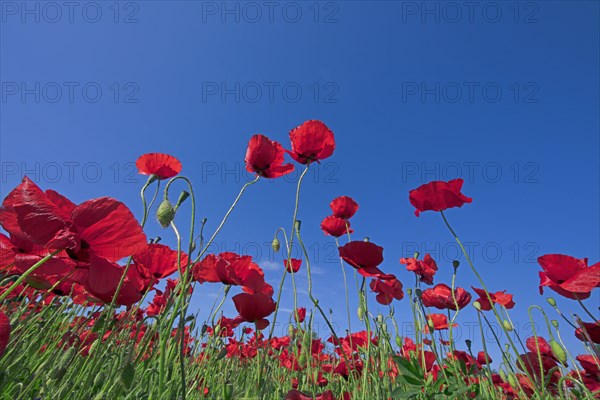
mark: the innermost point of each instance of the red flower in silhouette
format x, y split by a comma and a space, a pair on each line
426, 268
254, 308
438, 196
162, 165
592, 329
501, 298
335, 226
265, 158
4, 332
568, 276
311, 141
387, 290
293, 265
440, 296
343, 207
365, 257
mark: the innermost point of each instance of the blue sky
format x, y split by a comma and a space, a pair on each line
504, 94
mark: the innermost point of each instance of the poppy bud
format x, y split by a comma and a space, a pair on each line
127, 375
409, 291
468, 343
430, 324
551, 301
182, 197
554, 323
297, 225
228, 391
418, 292
203, 329
416, 254
290, 330
379, 318
276, 245
558, 351
507, 325
165, 213
455, 264
502, 375
361, 313
477, 305
399, 341
512, 381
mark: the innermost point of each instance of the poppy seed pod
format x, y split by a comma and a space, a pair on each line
361, 313
551, 301
554, 323
399, 341
507, 325
468, 343
512, 381
455, 264
165, 213
477, 305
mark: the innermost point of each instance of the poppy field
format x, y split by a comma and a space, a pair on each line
93, 308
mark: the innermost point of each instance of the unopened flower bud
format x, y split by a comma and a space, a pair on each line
379, 318
399, 341
554, 323
297, 225
558, 351
409, 291
455, 264
430, 324
418, 292
512, 381
275, 245
551, 301
182, 197
127, 375
361, 313
416, 254
507, 325
477, 305
165, 213
468, 343
290, 330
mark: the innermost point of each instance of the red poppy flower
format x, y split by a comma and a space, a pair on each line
335, 226
365, 257
254, 308
298, 395
440, 296
4, 332
301, 314
540, 345
592, 329
343, 207
311, 141
293, 266
232, 269
531, 362
265, 158
162, 165
104, 226
483, 358
387, 290
501, 298
438, 196
426, 268
158, 261
568, 276
589, 364
439, 322
103, 280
